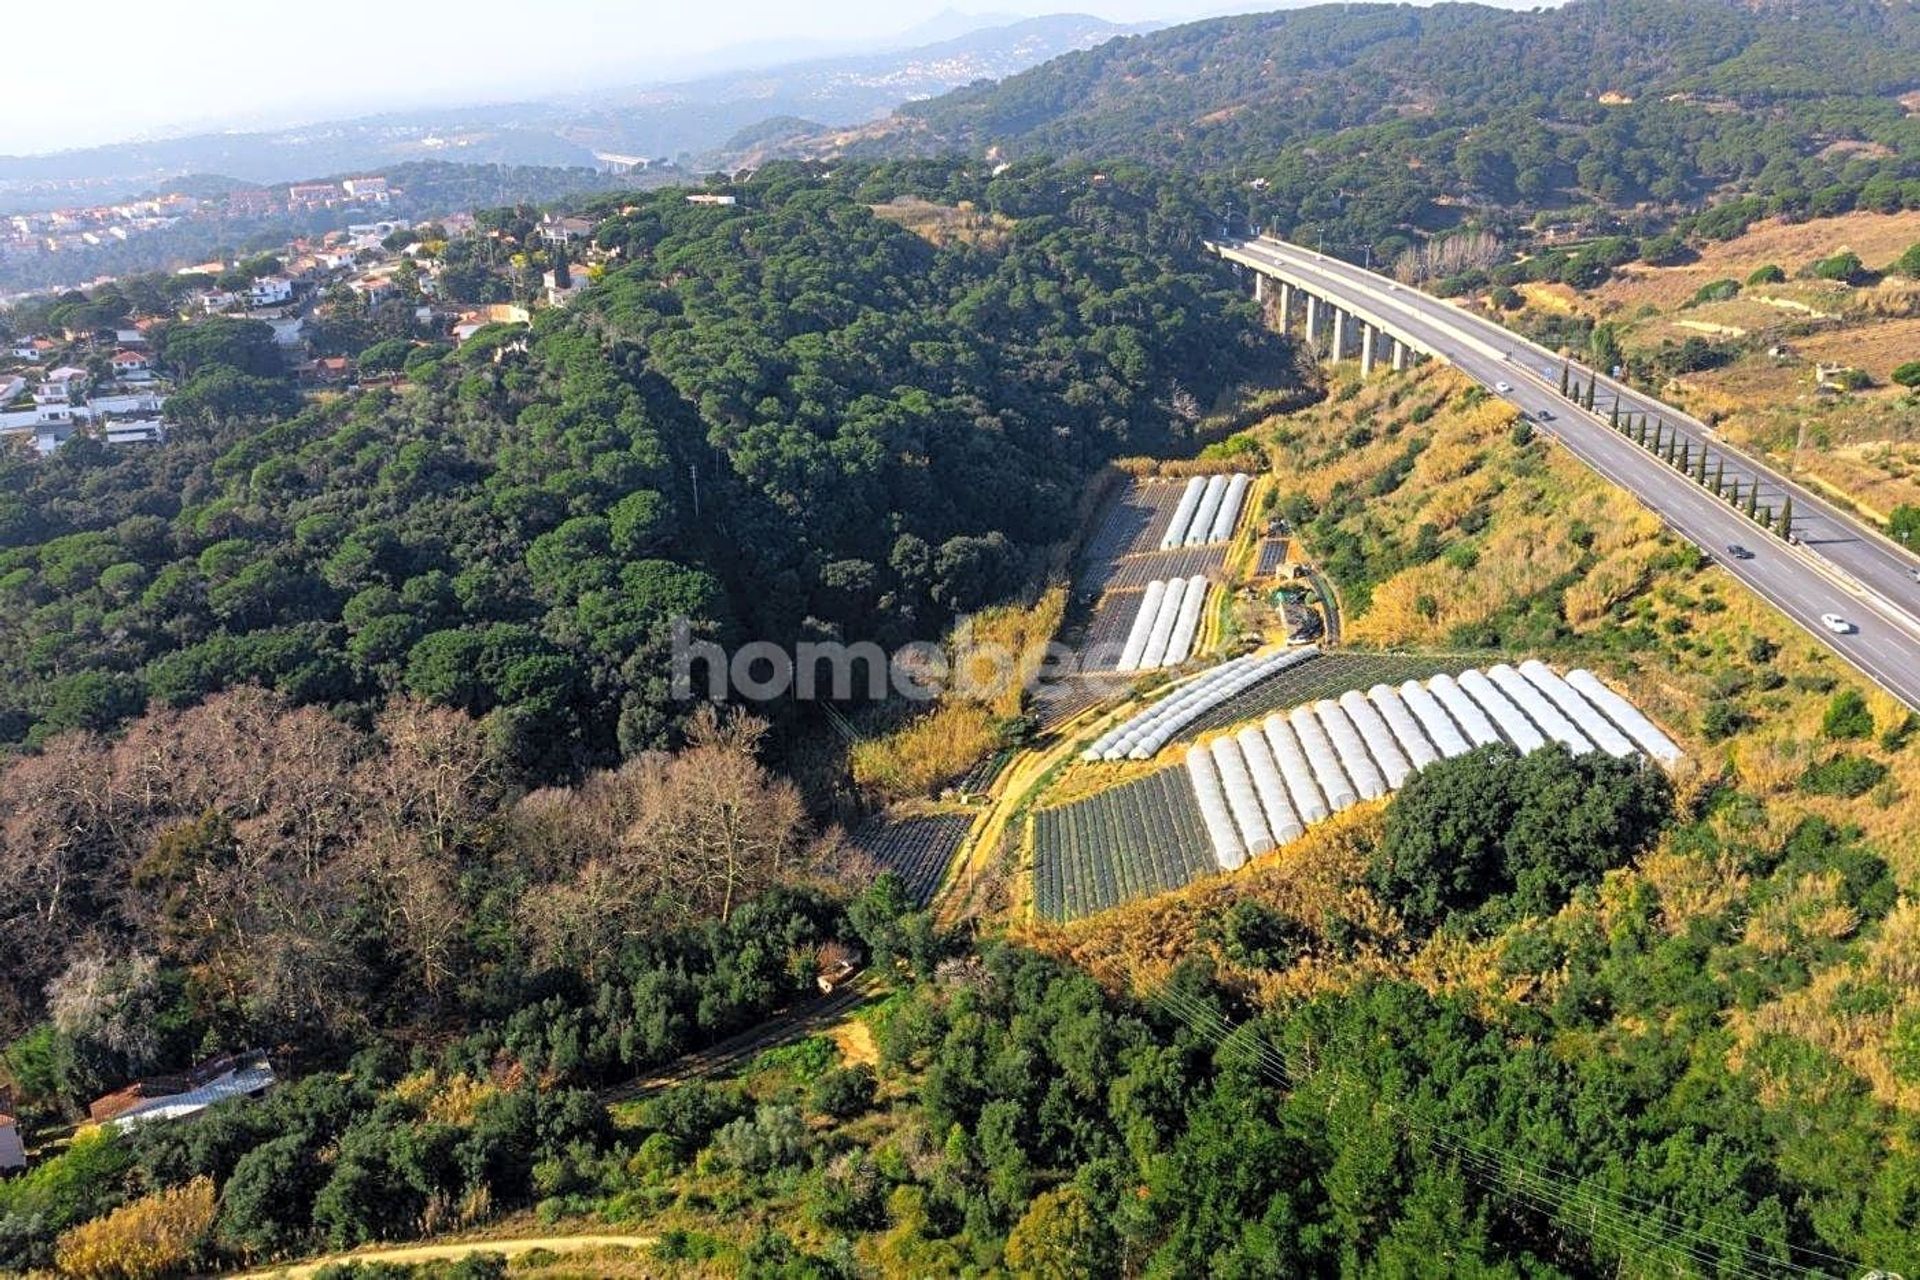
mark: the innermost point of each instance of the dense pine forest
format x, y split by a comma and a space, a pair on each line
786, 419
1353, 124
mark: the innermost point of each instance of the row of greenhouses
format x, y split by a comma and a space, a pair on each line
1264, 785
1141, 736
1163, 631
1208, 511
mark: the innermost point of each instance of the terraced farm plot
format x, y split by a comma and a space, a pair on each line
1106, 631
1132, 523
1138, 571
1058, 701
1273, 554
917, 849
1130, 841
1327, 676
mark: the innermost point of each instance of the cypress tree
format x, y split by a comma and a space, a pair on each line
1700, 467
1719, 476
1753, 501
1563, 379
1785, 527
1613, 419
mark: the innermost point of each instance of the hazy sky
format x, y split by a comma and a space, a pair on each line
129, 68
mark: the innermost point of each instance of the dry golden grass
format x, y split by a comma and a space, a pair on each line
1878, 238
942, 224
1138, 944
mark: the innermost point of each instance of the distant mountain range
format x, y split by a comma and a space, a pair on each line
691, 121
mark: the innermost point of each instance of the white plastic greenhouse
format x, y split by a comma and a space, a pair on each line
1406, 729
1144, 734
1351, 749
1266, 783
1512, 721
1434, 719
1187, 624
1155, 654
1623, 713
1576, 708
1229, 513
1176, 534
1242, 800
1465, 711
1333, 780
1543, 713
1136, 644
1308, 803
1281, 819
1227, 850
1210, 500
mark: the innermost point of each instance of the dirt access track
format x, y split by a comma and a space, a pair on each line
454, 1252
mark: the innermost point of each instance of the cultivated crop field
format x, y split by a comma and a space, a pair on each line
1131, 523
1130, 841
917, 849
1106, 630
1273, 554
1139, 570
1327, 676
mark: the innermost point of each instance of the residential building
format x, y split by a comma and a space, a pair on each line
132, 366
269, 291
49, 436
708, 197
311, 195
138, 431
369, 189
240, 1075
53, 398
373, 289
559, 232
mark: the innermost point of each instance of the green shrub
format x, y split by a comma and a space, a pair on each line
1768, 274
1846, 776
1847, 716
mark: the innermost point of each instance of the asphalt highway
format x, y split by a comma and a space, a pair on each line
1838, 568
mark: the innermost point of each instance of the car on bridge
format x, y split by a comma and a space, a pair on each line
1503, 387
1836, 624
1738, 552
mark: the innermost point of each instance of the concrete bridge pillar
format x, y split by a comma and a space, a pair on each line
1313, 322
1399, 355
1259, 286
1366, 349
1339, 334
1286, 307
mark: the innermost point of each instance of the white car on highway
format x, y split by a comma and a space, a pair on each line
1836, 624
1503, 387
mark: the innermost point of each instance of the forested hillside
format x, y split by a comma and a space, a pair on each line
1357, 122
785, 418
